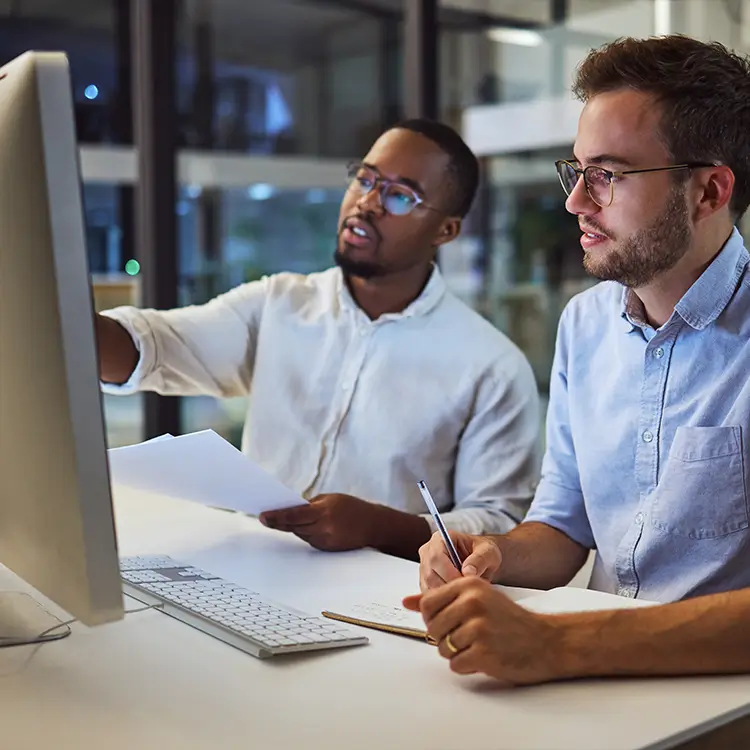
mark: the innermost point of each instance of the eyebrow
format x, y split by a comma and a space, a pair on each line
413, 184
612, 159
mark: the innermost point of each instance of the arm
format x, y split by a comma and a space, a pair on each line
497, 461
705, 635
552, 543
196, 350
118, 355
537, 556
489, 633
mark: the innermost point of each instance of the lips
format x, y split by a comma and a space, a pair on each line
594, 234
359, 232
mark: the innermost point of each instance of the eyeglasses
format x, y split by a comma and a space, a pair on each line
600, 182
395, 197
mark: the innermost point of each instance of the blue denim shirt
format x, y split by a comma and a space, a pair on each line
647, 436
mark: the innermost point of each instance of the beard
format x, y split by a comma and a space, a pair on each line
638, 260
362, 269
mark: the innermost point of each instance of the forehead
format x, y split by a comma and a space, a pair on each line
622, 123
404, 154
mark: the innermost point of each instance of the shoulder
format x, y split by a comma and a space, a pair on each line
594, 309
306, 285
474, 338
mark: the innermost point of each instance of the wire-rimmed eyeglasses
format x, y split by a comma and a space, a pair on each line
397, 198
600, 182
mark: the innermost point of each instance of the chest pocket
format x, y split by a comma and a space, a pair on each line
702, 493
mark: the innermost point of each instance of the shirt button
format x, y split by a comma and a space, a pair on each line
345, 386
647, 436
626, 592
363, 332
639, 518
658, 352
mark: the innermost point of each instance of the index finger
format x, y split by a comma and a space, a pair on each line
436, 600
290, 518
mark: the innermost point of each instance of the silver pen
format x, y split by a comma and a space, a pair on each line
452, 552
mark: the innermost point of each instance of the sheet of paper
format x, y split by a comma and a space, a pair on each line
201, 467
573, 599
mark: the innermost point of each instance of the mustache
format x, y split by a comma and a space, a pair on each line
590, 225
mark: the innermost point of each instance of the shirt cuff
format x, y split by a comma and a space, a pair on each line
143, 337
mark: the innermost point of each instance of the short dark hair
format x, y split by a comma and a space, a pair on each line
463, 165
704, 90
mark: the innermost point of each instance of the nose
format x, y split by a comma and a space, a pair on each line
370, 202
579, 201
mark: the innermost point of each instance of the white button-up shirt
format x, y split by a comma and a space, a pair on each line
342, 403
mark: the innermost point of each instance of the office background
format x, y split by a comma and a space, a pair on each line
240, 116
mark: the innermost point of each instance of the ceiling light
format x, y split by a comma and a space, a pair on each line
520, 37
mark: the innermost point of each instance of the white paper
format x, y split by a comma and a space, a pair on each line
201, 467
574, 599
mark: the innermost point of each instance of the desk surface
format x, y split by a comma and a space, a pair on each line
151, 682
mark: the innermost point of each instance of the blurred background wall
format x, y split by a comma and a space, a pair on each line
265, 102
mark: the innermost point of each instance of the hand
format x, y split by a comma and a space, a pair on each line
480, 630
481, 557
331, 522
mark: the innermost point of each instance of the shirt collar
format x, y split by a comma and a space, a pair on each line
707, 297
433, 292
710, 294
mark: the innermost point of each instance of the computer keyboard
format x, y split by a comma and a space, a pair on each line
239, 617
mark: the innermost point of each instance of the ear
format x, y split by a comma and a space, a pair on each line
449, 230
714, 189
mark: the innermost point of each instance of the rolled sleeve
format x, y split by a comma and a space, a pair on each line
559, 501
206, 350
142, 336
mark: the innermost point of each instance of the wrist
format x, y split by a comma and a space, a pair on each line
396, 532
577, 646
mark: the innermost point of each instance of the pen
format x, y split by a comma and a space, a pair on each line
452, 553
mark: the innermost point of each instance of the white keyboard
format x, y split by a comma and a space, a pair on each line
232, 614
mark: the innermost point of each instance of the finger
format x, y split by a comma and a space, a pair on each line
291, 518
320, 498
429, 579
459, 638
483, 561
434, 600
412, 602
468, 660
449, 620
436, 563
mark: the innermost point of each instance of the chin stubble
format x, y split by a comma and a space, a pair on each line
636, 261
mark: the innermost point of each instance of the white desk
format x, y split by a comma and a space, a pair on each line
150, 682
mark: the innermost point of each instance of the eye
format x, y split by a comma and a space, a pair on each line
400, 200
365, 180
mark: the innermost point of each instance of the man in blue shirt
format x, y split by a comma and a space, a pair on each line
648, 426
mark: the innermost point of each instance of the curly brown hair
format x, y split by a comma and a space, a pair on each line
703, 88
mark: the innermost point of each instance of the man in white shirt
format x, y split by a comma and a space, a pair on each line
365, 378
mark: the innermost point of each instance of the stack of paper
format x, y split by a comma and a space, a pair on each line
201, 467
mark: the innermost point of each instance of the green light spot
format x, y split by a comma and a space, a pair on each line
132, 267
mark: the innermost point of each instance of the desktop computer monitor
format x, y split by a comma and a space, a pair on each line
57, 528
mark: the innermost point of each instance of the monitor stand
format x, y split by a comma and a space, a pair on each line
24, 621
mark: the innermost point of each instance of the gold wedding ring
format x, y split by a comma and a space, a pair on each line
449, 644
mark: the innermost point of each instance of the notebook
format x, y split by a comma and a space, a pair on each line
392, 619
396, 619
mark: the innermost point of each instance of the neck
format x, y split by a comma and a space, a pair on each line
660, 297
388, 294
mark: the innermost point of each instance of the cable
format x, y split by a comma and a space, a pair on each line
37, 643
41, 639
